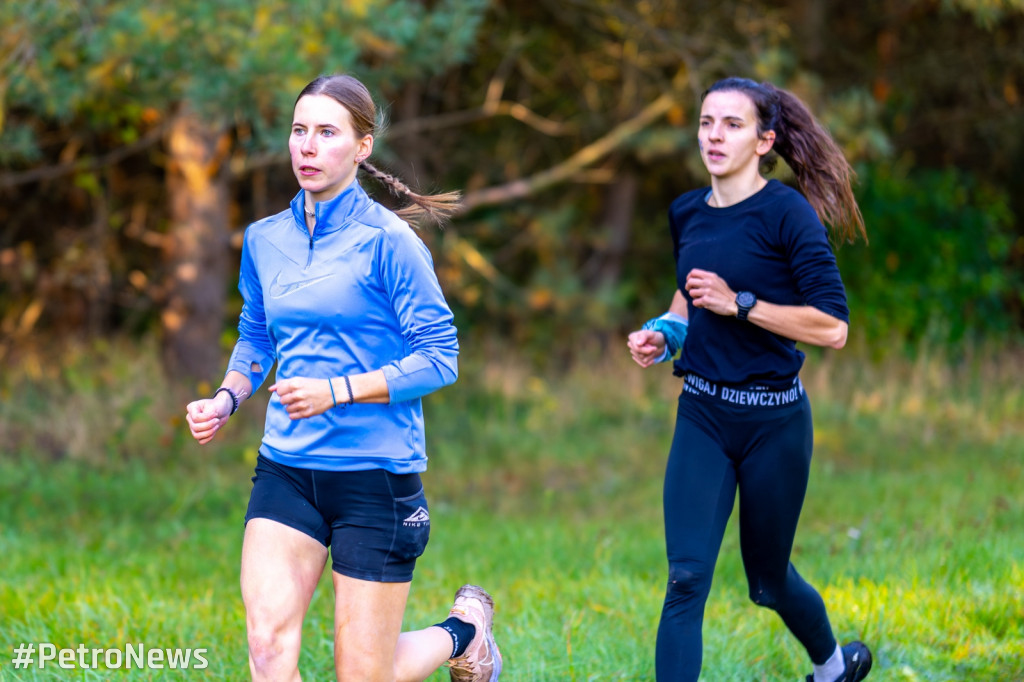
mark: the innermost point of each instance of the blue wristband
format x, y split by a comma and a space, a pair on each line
673, 327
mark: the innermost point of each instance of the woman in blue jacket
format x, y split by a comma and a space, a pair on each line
341, 294
755, 275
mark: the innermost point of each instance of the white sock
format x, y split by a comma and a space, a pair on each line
830, 670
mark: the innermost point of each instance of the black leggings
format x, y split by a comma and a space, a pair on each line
765, 452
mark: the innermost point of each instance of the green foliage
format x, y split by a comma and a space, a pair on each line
986, 13
572, 267
487, 93
130, 63
938, 267
17, 144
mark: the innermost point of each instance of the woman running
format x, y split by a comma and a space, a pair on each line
756, 275
341, 293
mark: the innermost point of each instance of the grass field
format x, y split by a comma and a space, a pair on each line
116, 529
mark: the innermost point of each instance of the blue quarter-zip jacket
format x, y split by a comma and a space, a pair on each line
358, 295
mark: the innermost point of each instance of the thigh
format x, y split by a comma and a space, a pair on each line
700, 486
380, 523
281, 567
367, 623
287, 495
773, 482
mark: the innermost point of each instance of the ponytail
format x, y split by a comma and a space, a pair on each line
823, 174
437, 208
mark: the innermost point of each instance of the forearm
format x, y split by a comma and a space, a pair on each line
238, 389
802, 323
370, 387
679, 305
238, 383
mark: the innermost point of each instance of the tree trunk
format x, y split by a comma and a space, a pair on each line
98, 297
808, 21
197, 248
604, 268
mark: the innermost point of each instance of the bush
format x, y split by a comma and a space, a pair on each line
938, 267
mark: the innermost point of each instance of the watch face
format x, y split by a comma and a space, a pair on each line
745, 299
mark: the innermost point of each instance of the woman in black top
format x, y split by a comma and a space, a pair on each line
755, 276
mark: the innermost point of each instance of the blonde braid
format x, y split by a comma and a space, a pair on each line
437, 207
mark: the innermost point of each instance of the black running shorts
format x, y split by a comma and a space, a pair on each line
376, 523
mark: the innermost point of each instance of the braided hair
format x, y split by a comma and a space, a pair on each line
822, 172
350, 93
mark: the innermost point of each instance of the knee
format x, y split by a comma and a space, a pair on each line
361, 660
355, 669
763, 597
270, 646
689, 578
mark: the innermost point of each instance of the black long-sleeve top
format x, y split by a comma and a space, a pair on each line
771, 244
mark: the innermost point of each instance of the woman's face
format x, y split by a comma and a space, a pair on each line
729, 142
324, 147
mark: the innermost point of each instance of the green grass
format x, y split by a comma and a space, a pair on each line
116, 529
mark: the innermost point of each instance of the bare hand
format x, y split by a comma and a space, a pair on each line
303, 397
646, 346
206, 416
709, 291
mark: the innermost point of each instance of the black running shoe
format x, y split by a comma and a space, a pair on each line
857, 657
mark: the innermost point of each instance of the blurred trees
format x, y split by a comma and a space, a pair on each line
202, 86
590, 254
138, 137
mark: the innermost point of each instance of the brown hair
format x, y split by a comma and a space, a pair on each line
822, 172
350, 93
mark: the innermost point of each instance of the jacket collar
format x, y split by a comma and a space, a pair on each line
333, 214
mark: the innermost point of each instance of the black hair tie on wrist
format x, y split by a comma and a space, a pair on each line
234, 398
348, 385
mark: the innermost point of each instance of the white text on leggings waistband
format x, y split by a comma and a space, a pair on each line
759, 398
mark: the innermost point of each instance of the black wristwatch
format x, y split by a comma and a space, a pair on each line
744, 302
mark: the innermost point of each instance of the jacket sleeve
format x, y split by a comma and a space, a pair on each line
425, 320
253, 355
813, 263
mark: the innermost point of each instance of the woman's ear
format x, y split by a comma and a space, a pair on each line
365, 148
765, 144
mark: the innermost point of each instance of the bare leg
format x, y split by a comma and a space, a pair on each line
368, 642
420, 653
281, 567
